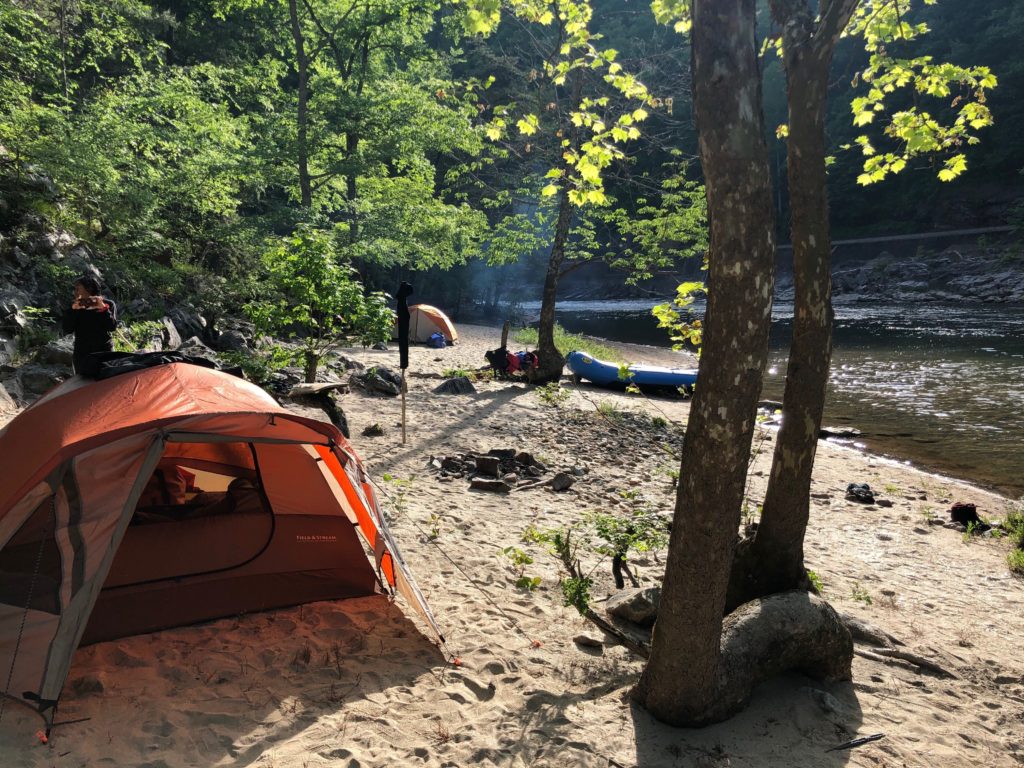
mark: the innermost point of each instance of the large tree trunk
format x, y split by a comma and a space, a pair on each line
774, 560
682, 679
302, 115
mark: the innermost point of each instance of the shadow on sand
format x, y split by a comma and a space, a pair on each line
227, 692
790, 721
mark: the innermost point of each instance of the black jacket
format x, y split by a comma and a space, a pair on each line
92, 329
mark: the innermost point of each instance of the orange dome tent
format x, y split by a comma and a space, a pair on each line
425, 320
266, 509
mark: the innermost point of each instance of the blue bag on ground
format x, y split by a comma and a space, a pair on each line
436, 341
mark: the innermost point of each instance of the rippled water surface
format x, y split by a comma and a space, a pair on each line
939, 385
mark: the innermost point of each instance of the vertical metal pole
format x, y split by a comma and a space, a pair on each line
403, 406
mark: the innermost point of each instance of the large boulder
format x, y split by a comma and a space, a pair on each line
13, 300
18, 257
8, 348
12, 319
188, 322
233, 341
460, 385
36, 380
380, 379
639, 606
59, 352
171, 339
195, 347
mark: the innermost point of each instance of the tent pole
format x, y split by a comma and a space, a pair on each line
403, 406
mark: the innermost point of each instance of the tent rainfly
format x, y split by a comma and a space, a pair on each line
425, 320
167, 496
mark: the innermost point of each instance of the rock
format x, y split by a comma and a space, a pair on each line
188, 323
348, 363
460, 385
13, 319
511, 479
233, 341
280, 382
7, 404
505, 454
59, 352
135, 307
171, 339
488, 465
380, 379
883, 502
588, 641
562, 482
434, 463
50, 244
451, 464
495, 486
380, 346
525, 459
194, 347
37, 380
639, 606
374, 430
841, 432
20, 258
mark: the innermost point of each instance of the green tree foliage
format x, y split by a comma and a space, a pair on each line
891, 71
966, 46
316, 300
382, 120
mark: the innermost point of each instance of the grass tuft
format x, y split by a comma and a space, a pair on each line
566, 342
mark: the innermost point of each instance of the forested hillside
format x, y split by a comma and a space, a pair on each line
180, 140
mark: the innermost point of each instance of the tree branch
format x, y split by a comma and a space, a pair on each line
835, 16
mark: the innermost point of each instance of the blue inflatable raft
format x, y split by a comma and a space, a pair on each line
607, 374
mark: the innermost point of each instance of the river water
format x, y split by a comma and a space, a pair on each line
938, 386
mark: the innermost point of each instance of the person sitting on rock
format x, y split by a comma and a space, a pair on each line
92, 318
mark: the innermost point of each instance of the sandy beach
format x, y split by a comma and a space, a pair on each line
360, 683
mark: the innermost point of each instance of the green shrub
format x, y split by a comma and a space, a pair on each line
259, 365
553, 394
316, 300
131, 337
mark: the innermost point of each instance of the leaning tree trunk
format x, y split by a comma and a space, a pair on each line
551, 361
682, 679
302, 115
774, 560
